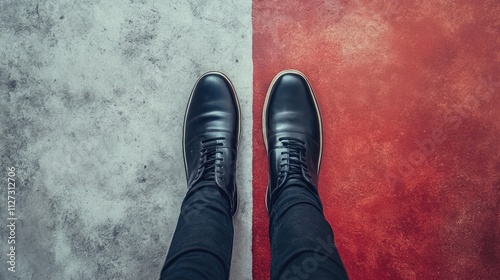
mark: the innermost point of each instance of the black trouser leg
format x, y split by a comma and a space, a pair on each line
203, 240
302, 242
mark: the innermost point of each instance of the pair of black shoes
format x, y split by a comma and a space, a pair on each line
291, 127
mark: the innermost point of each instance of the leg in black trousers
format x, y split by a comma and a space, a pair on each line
203, 240
302, 243
202, 244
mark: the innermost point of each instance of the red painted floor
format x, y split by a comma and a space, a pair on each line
410, 98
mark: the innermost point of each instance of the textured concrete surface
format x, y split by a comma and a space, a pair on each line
410, 97
92, 101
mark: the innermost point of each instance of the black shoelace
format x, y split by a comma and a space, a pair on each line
209, 159
294, 159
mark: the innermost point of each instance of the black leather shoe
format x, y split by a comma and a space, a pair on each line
292, 134
211, 135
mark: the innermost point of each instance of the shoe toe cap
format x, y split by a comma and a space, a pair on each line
213, 106
292, 107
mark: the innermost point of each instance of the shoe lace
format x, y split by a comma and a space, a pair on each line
293, 158
209, 159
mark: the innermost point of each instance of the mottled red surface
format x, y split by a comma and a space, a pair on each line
410, 101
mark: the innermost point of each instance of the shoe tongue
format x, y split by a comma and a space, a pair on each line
294, 162
210, 160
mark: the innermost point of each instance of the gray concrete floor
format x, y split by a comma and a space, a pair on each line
92, 101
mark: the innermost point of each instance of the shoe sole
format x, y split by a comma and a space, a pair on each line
239, 124
264, 113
